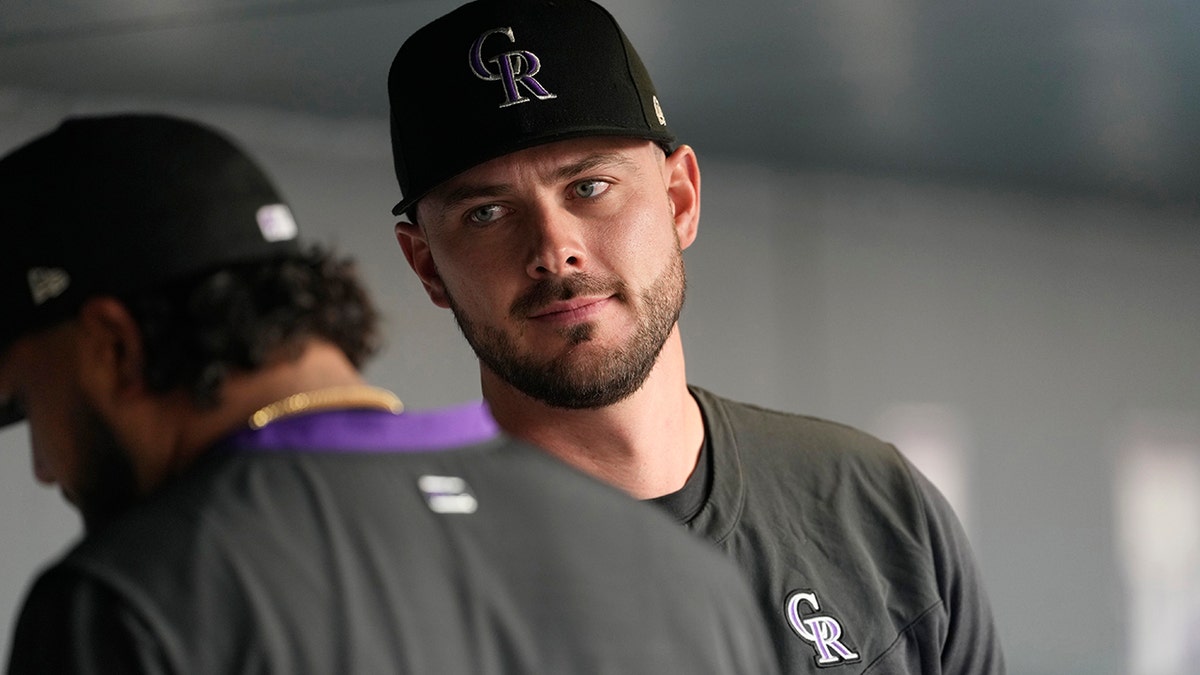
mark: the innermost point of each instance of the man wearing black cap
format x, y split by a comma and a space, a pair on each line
547, 206
190, 377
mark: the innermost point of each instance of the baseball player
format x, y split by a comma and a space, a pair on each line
189, 372
547, 203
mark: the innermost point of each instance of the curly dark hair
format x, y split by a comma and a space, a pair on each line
199, 331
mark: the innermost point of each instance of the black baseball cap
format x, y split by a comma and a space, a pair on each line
120, 203
497, 76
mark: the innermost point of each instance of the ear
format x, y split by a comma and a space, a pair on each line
415, 244
112, 355
683, 190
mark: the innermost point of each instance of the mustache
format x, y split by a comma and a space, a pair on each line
547, 291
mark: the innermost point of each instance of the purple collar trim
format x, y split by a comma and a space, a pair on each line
372, 431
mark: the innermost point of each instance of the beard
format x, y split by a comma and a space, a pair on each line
107, 484
572, 379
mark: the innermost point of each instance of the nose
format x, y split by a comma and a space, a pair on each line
558, 246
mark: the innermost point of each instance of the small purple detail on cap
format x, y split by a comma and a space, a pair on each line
373, 431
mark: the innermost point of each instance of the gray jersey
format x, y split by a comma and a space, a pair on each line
858, 562
328, 557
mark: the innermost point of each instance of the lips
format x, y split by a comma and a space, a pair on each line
570, 311
565, 297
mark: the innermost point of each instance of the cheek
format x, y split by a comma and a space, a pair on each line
55, 433
54, 441
477, 274
640, 240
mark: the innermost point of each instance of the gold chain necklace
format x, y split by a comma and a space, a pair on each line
349, 396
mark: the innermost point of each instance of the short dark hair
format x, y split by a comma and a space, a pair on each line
199, 331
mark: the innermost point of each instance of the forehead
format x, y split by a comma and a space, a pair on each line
544, 163
563, 151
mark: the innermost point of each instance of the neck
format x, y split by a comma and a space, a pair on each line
319, 366
647, 444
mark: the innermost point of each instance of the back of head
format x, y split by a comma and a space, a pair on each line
496, 76
129, 205
125, 202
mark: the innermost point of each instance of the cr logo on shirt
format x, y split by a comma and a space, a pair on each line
822, 631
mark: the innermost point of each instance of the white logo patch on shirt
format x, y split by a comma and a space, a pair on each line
447, 494
822, 631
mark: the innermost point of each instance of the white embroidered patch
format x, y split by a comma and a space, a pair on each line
447, 494
823, 632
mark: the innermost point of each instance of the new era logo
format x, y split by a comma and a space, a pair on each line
276, 223
47, 283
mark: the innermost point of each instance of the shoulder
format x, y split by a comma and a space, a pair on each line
821, 491
771, 424
790, 470
70, 621
254, 542
791, 442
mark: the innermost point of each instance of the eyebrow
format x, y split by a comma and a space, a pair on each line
587, 163
590, 162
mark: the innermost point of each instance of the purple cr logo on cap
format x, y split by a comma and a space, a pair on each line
515, 68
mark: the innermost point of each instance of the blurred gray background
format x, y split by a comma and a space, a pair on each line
970, 228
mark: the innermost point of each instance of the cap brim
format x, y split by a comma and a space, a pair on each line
664, 140
402, 207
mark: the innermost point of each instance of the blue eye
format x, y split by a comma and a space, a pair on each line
590, 188
486, 214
